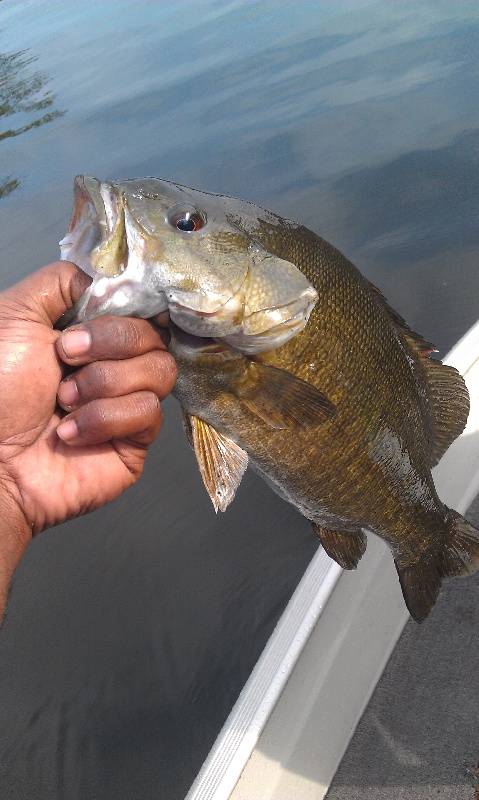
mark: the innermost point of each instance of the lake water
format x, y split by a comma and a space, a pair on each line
130, 632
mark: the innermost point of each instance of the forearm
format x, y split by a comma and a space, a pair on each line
15, 534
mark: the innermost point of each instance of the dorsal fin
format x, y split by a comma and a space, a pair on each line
447, 394
417, 342
448, 402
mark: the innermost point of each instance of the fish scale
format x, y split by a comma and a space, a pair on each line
310, 378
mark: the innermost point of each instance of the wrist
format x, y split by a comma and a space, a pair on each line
15, 535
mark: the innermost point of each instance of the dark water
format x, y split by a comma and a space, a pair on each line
131, 632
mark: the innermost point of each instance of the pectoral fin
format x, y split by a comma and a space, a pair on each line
186, 419
281, 399
221, 461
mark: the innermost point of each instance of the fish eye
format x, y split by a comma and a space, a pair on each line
186, 219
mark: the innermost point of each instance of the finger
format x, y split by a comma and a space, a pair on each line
108, 338
46, 294
154, 371
162, 319
136, 417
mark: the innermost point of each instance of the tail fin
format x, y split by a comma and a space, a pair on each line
458, 555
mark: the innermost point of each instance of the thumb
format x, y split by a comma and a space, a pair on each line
46, 294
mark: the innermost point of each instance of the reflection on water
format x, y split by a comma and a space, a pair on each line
131, 631
23, 96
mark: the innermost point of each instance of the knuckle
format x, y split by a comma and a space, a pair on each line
171, 370
137, 416
129, 338
94, 381
148, 405
92, 419
148, 413
164, 372
114, 337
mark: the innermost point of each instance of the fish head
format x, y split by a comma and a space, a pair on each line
153, 246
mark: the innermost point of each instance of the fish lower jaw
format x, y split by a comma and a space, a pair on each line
257, 333
202, 323
270, 338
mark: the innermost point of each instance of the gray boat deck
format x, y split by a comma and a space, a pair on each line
419, 737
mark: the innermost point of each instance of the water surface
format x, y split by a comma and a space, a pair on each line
131, 632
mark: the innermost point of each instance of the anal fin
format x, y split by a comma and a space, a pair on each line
345, 547
221, 461
420, 584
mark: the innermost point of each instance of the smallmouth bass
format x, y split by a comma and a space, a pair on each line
288, 360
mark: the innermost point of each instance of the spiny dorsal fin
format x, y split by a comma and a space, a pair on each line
221, 461
346, 548
415, 340
281, 399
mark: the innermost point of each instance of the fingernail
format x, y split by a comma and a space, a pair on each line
68, 392
67, 430
75, 343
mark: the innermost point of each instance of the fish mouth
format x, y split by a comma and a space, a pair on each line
87, 221
96, 239
98, 242
190, 344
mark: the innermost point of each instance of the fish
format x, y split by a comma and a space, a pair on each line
289, 361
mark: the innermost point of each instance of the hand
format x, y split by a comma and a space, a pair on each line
55, 466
